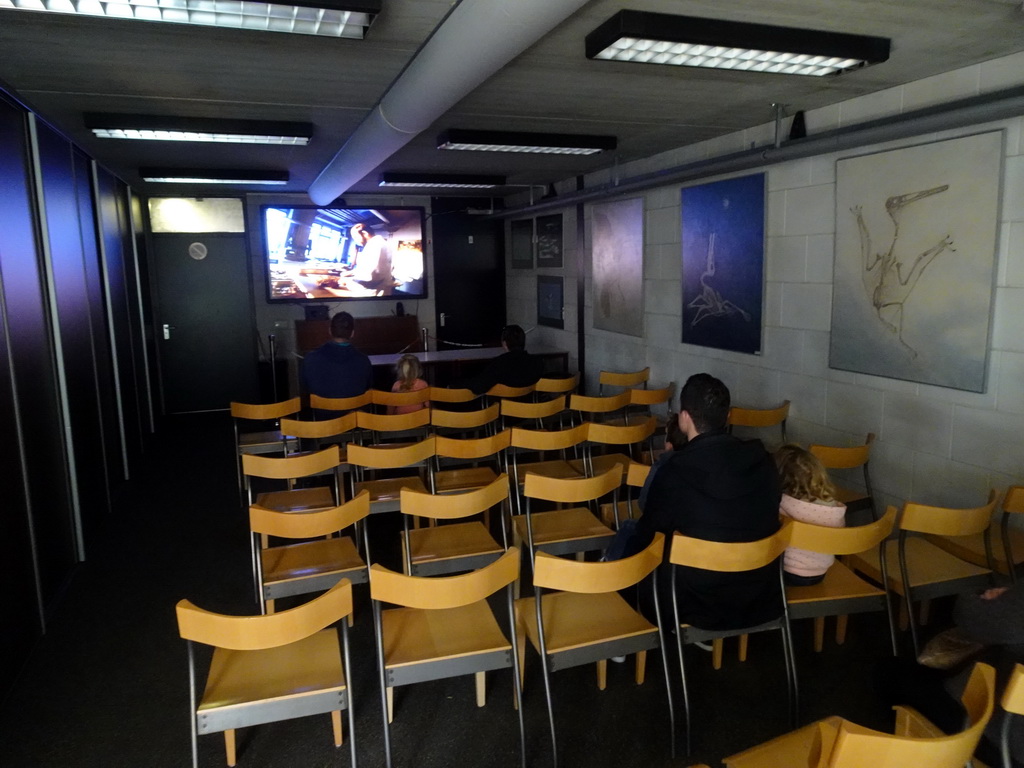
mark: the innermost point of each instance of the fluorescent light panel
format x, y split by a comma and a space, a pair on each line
213, 176
349, 19
658, 38
168, 128
524, 142
440, 181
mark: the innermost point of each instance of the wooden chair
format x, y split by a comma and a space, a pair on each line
502, 391
1013, 703
925, 571
342, 404
631, 437
261, 441
518, 411
444, 628
270, 668
316, 556
760, 417
291, 468
461, 423
401, 427
555, 386
385, 491
447, 395
842, 592
526, 442
838, 743
575, 529
480, 460
732, 557
624, 380
1007, 541
836, 457
586, 408
385, 401
586, 620
641, 400
319, 433
452, 547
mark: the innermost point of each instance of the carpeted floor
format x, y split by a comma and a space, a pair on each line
107, 686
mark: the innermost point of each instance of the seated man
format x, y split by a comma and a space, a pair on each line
515, 368
719, 488
336, 368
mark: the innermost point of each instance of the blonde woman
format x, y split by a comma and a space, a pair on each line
408, 370
809, 496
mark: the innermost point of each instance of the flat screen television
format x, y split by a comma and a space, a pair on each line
332, 254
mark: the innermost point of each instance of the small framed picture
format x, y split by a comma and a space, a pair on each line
549, 301
549, 241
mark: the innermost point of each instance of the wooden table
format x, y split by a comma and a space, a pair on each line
456, 363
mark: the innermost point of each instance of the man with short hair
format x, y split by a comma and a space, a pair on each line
718, 488
336, 368
515, 368
373, 263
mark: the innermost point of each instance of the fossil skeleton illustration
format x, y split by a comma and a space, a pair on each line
710, 302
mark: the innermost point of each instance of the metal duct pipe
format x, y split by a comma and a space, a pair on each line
999, 105
474, 41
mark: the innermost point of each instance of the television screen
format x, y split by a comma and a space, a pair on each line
327, 254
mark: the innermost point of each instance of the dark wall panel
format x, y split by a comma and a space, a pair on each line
74, 321
30, 385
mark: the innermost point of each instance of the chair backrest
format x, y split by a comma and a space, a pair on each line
471, 447
558, 386
455, 505
839, 457
397, 422
758, 417
1013, 502
943, 521
856, 747
548, 440
446, 395
1013, 696
636, 475
566, 575
319, 429
572, 490
649, 397
623, 379
618, 434
729, 557
519, 409
502, 390
266, 411
607, 404
414, 397
291, 467
464, 419
391, 458
340, 403
842, 541
249, 633
309, 525
435, 592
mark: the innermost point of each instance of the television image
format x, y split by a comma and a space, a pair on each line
329, 254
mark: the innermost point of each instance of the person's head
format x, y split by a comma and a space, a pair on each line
513, 337
343, 325
360, 233
674, 437
802, 475
703, 405
408, 369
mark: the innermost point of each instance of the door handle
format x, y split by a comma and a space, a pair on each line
167, 330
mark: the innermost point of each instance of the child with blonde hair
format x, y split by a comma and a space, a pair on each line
809, 496
408, 370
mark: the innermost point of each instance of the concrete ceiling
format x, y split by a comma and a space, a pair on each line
64, 66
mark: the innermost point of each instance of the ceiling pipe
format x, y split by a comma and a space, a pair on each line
475, 40
973, 111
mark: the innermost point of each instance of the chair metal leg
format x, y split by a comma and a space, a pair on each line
379, 632
682, 666
664, 664
547, 677
906, 592
192, 703
517, 666
347, 661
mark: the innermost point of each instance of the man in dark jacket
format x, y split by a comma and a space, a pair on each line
337, 369
719, 488
515, 368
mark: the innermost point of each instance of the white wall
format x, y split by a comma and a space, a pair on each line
935, 445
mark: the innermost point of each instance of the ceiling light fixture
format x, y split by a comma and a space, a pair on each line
213, 176
441, 180
328, 18
687, 41
521, 141
167, 128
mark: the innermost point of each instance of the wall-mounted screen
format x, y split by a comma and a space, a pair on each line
329, 254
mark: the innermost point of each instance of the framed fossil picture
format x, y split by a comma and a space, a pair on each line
915, 260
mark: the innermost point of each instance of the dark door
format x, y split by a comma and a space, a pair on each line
469, 274
204, 321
